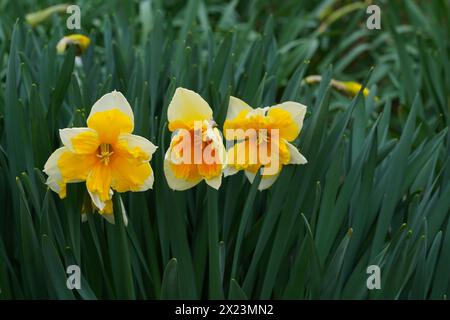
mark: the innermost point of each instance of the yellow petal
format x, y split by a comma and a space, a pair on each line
80, 140
98, 183
135, 146
110, 124
75, 167
282, 120
186, 107
130, 174
296, 110
110, 116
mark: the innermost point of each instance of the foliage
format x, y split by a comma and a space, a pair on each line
375, 189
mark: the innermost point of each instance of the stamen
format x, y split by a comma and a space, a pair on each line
104, 153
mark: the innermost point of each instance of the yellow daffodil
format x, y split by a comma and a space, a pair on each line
196, 151
263, 139
105, 154
81, 43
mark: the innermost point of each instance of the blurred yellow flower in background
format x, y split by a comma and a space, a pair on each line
105, 154
263, 139
196, 150
40, 16
81, 43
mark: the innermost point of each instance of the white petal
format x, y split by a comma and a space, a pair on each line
113, 100
296, 156
52, 170
173, 182
229, 171
215, 182
96, 199
235, 106
134, 141
89, 145
297, 111
266, 182
187, 105
250, 176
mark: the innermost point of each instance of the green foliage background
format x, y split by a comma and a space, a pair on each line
375, 190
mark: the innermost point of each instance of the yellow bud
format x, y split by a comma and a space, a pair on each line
80, 41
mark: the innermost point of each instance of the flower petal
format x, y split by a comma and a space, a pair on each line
174, 182
297, 112
80, 140
136, 146
296, 156
235, 106
110, 101
110, 116
267, 181
229, 171
186, 107
55, 181
98, 183
215, 182
130, 174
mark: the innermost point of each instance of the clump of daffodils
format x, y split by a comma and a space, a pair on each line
108, 157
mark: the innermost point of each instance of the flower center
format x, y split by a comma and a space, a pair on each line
104, 152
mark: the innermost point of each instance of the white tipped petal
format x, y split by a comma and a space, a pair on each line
113, 100
148, 183
187, 105
80, 140
229, 171
250, 176
267, 182
215, 182
296, 156
51, 168
235, 106
132, 141
173, 182
296, 110
95, 197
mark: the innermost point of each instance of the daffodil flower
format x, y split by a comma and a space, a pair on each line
264, 137
196, 150
105, 154
81, 42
